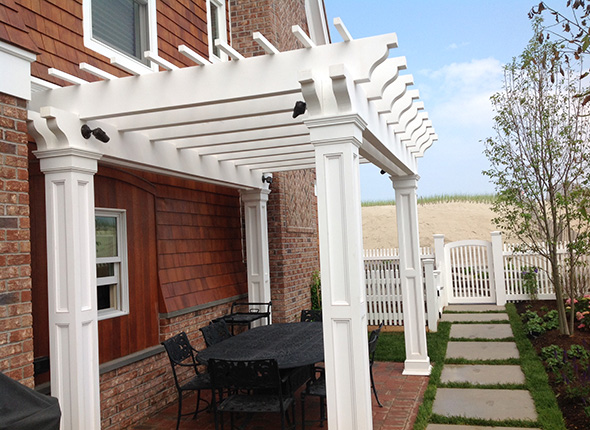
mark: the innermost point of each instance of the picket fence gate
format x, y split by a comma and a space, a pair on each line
471, 271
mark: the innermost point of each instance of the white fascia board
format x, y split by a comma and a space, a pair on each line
15, 71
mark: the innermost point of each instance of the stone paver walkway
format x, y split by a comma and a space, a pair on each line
487, 403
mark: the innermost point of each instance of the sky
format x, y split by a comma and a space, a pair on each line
455, 50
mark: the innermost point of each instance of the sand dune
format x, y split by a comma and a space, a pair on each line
456, 220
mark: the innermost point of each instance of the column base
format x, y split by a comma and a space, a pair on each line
417, 367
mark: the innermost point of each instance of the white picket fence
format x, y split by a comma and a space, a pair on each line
504, 267
515, 264
384, 294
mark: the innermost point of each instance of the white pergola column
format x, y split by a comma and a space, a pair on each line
255, 214
71, 277
417, 360
336, 141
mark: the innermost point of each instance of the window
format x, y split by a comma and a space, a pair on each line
111, 263
216, 27
122, 28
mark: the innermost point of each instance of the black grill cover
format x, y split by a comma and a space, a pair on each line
22, 408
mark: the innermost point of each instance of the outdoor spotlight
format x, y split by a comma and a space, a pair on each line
97, 132
267, 177
299, 109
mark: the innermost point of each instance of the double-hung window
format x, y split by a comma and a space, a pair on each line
124, 29
111, 263
217, 28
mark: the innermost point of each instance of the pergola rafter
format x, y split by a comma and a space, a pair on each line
243, 104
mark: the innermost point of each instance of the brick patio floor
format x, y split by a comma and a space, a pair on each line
400, 395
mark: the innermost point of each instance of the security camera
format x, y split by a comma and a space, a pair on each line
267, 177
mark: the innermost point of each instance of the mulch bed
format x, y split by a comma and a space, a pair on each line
574, 415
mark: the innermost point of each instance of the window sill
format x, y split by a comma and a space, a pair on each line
111, 313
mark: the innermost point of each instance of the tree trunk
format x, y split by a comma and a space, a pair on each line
557, 286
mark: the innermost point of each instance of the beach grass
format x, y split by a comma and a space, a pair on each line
439, 198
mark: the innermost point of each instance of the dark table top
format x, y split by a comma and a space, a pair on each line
292, 345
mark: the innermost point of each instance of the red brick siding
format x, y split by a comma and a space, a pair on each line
293, 242
272, 18
16, 332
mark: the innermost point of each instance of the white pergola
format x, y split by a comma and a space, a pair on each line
229, 123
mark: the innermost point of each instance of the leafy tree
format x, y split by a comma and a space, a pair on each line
539, 162
571, 30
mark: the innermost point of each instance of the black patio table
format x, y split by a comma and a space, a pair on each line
293, 345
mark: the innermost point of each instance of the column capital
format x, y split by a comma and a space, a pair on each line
337, 129
336, 120
255, 195
68, 160
401, 182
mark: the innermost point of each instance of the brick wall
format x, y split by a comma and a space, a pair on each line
293, 242
16, 332
292, 206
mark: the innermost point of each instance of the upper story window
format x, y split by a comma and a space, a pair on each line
216, 25
112, 288
122, 28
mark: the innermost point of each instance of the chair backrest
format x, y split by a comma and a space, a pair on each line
215, 332
245, 375
311, 315
251, 307
373, 338
179, 351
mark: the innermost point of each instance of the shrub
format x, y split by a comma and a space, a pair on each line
554, 357
534, 325
551, 320
582, 310
579, 352
316, 290
572, 369
528, 275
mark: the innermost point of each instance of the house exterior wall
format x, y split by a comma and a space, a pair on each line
16, 331
56, 28
292, 205
136, 380
293, 243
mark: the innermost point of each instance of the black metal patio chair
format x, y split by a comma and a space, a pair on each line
215, 332
183, 355
245, 313
373, 338
311, 315
253, 386
315, 387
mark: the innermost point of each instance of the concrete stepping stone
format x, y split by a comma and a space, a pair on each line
482, 374
483, 331
482, 350
481, 317
485, 404
474, 308
461, 427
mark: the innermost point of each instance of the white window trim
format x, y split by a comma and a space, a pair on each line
122, 277
222, 29
109, 52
